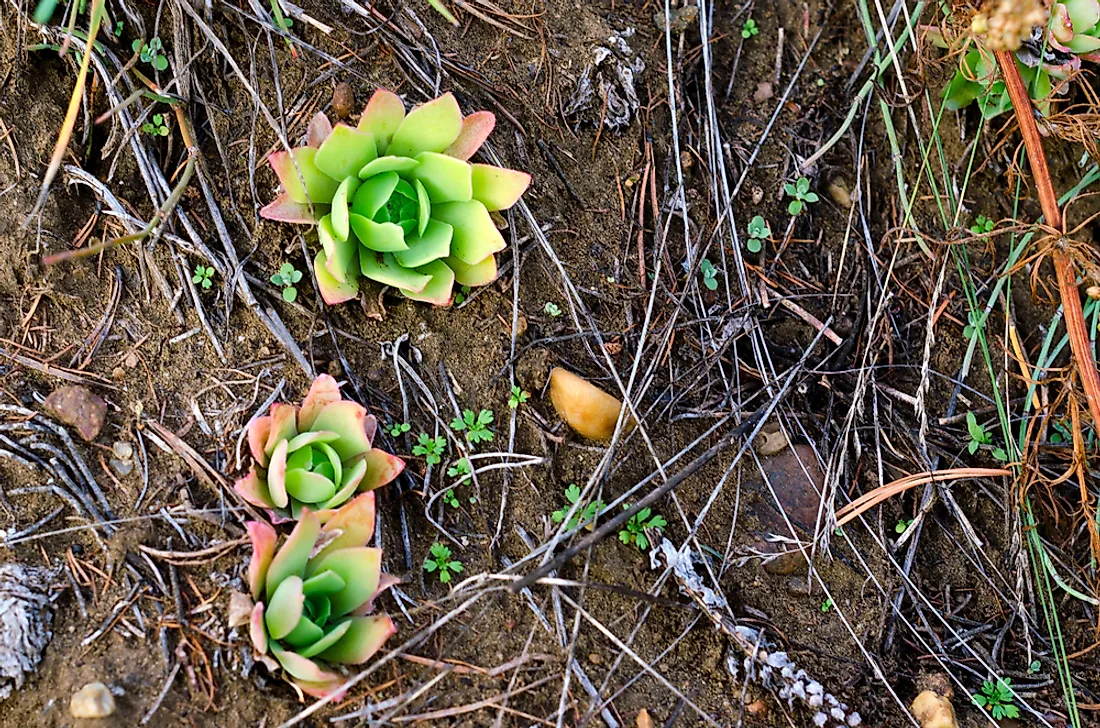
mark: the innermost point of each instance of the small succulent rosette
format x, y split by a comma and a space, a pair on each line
395, 199
317, 456
313, 597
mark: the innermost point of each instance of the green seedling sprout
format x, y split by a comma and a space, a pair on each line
552, 309
397, 429
800, 191
462, 294
156, 126
430, 448
997, 698
902, 525
634, 532
826, 605
476, 426
203, 276
517, 397
584, 513
1034, 667
287, 276
118, 29
749, 29
440, 561
151, 53
982, 224
710, 274
979, 437
316, 456
460, 468
396, 201
308, 595
758, 232
451, 499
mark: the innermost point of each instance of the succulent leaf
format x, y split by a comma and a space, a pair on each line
476, 128
263, 540
301, 179
383, 114
475, 236
351, 422
325, 641
340, 201
291, 559
284, 607
383, 268
259, 430
284, 209
322, 392
345, 152
360, 568
373, 193
439, 290
496, 187
434, 243
362, 640
379, 237
445, 178
430, 127
332, 290
479, 274
319, 129
387, 164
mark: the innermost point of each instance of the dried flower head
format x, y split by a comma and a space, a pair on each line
1008, 24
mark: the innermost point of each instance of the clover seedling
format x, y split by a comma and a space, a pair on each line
460, 468
118, 28
902, 525
982, 224
749, 29
997, 698
710, 275
151, 53
634, 533
397, 429
203, 276
463, 292
979, 437
440, 560
552, 309
451, 499
584, 513
431, 448
287, 276
758, 232
517, 397
1034, 667
476, 426
157, 126
977, 323
826, 605
800, 191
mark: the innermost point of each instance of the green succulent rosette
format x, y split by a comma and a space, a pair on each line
395, 199
312, 598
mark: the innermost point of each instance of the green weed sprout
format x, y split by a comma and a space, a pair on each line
397, 429
451, 499
395, 200
997, 698
800, 191
584, 513
430, 448
203, 276
826, 605
710, 274
460, 468
902, 525
476, 426
982, 224
151, 53
316, 456
517, 397
749, 29
552, 309
979, 437
156, 126
759, 230
440, 561
287, 276
634, 533
313, 596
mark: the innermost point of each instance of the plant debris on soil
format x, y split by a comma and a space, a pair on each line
817, 447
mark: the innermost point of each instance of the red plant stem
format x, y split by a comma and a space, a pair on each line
1063, 266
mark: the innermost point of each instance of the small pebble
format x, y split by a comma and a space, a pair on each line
764, 91
94, 700
595, 658
122, 459
343, 100
757, 194
785, 564
758, 708
798, 586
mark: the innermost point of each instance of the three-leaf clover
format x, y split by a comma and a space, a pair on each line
476, 426
157, 126
552, 309
710, 275
440, 560
151, 53
997, 698
749, 29
287, 276
634, 533
982, 224
431, 448
584, 513
517, 397
800, 191
758, 232
397, 429
203, 276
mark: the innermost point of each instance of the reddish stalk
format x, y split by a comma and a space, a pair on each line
1063, 265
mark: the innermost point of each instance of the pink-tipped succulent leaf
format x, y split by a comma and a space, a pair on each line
315, 594
316, 457
396, 200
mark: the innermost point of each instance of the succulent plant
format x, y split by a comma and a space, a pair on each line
1051, 52
395, 199
317, 456
313, 596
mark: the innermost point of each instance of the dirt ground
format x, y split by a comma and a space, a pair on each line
154, 362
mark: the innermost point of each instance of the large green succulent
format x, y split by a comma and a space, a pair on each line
395, 199
313, 596
317, 456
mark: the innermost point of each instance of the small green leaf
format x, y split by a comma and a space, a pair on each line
290, 294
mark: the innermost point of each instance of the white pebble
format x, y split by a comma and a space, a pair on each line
94, 700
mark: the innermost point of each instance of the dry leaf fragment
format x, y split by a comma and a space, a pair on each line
643, 720
78, 406
584, 407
